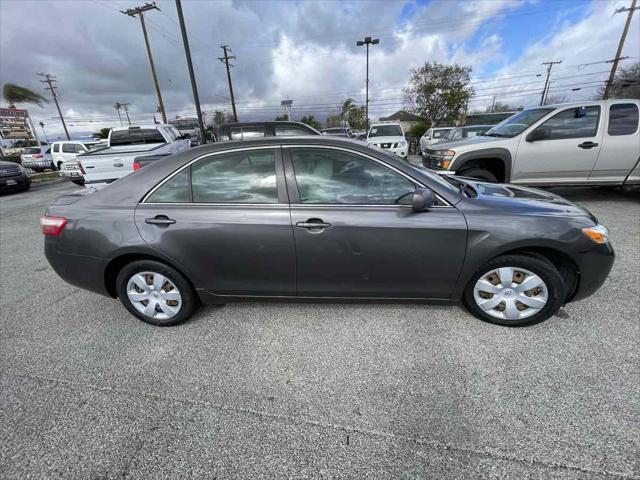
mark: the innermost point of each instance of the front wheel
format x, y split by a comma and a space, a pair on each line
515, 290
156, 293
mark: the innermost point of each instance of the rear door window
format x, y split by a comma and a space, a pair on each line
245, 133
68, 148
175, 190
623, 119
289, 131
247, 176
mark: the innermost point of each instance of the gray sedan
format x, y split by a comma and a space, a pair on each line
322, 218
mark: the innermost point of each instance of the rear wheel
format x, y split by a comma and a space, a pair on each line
59, 165
156, 293
515, 290
479, 174
78, 182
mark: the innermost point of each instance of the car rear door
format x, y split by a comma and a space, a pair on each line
357, 235
224, 219
620, 149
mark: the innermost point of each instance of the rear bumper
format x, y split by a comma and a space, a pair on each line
11, 184
594, 266
36, 164
84, 272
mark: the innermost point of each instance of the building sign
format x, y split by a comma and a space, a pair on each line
15, 125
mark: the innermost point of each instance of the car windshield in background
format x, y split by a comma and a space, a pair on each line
334, 131
385, 131
518, 123
440, 133
136, 136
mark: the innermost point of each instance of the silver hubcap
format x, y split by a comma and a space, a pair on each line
154, 295
510, 293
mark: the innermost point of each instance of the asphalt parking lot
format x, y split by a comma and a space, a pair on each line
314, 390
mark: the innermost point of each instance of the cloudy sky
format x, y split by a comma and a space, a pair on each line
302, 50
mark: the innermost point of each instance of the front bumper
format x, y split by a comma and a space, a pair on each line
395, 148
594, 266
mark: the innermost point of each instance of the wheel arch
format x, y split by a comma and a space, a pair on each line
497, 160
119, 262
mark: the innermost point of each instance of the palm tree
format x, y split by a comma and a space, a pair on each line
13, 94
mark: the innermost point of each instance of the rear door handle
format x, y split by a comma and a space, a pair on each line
161, 220
587, 145
314, 225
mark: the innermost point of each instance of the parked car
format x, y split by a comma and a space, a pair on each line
37, 159
582, 143
249, 130
13, 177
432, 136
322, 218
115, 160
337, 132
189, 128
388, 136
66, 151
460, 133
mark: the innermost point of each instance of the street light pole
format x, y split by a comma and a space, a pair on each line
367, 41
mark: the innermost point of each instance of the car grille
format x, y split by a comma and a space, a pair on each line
9, 171
388, 145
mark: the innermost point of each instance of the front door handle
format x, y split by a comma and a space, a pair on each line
160, 220
118, 164
587, 145
314, 225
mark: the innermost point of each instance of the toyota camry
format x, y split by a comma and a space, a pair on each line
322, 218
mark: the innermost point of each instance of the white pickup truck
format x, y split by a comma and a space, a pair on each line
115, 160
586, 143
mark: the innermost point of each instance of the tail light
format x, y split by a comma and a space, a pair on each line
52, 225
81, 168
136, 166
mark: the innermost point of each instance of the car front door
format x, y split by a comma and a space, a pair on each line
357, 235
225, 220
566, 151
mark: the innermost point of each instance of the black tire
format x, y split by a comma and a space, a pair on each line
544, 269
78, 182
189, 299
59, 165
479, 174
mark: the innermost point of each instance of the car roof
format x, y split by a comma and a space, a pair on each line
135, 127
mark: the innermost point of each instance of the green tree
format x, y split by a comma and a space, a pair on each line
281, 118
14, 94
438, 92
502, 107
419, 128
356, 116
103, 133
311, 121
333, 121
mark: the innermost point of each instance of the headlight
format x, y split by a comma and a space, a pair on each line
598, 234
402, 143
445, 153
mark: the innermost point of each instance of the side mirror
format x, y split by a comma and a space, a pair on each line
538, 134
423, 199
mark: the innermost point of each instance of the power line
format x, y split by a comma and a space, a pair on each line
139, 11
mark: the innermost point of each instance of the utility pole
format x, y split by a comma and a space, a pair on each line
49, 80
225, 60
126, 111
139, 11
545, 90
614, 67
367, 41
194, 88
117, 107
493, 104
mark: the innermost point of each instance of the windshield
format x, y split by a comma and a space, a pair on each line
440, 133
518, 123
453, 134
385, 131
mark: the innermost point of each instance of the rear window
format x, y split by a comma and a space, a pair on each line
31, 150
623, 119
245, 133
136, 136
